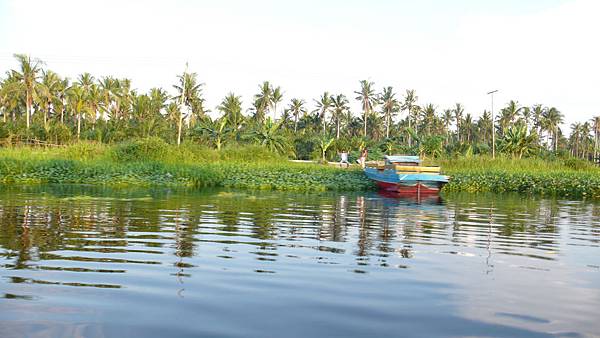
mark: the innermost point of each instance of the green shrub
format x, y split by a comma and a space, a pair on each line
145, 149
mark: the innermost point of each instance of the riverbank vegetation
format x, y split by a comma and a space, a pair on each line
102, 130
150, 162
39, 106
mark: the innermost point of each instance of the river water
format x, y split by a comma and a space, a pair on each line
79, 261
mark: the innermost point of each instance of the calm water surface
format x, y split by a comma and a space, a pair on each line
93, 262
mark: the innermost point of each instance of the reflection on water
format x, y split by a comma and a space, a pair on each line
94, 262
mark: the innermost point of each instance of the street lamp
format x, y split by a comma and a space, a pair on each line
493, 127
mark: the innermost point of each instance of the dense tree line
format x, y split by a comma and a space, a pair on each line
39, 105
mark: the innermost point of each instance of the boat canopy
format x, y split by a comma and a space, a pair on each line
402, 159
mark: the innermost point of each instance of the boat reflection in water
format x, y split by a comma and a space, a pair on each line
413, 198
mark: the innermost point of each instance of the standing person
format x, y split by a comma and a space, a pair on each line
363, 158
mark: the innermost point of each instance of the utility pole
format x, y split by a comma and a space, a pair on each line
493, 126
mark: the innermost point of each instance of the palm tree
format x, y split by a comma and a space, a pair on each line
537, 112
486, 126
340, 107
49, 96
296, 107
575, 138
552, 120
467, 125
410, 100
109, 87
262, 101
77, 99
447, 118
586, 129
596, 131
458, 112
509, 114
428, 117
189, 94
368, 100
231, 108
390, 107
28, 81
276, 97
323, 104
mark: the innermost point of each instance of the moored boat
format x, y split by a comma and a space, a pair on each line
405, 175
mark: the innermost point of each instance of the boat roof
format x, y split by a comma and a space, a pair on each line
402, 158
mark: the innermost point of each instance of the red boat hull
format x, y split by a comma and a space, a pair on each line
417, 189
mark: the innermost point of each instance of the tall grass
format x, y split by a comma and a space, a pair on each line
555, 177
509, 164
153, 162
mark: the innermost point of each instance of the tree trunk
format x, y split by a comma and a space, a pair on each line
78, 125
295, 123
387, 125
409, 135
28, 108
337, 134
179, 130
365, 123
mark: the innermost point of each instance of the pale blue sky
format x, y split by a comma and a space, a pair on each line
535, 51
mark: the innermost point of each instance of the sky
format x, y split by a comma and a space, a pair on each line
532, 51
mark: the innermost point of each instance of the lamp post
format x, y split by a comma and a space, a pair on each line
493, 127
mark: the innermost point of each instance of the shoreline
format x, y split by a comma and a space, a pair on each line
301, 177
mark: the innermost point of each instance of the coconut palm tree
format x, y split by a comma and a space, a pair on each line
596, 131
276, 97
231, 108
262, 101
467, 125
28, 76
458, 113
296, 108
428, 115
340, 107
323, 104
189, 94
509, 114
551, 121
109, 87
537, 113
485, 126
390, 106
410, 100
367, 99
49, 94
77, 100
575, 138
447, 119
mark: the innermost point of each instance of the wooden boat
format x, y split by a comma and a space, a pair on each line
405, 175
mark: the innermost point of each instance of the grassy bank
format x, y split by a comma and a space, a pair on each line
568, 178
152, 162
